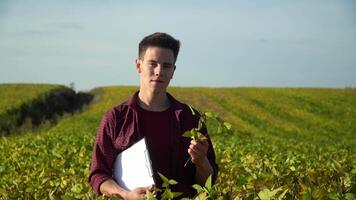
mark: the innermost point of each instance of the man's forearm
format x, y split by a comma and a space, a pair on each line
203, 171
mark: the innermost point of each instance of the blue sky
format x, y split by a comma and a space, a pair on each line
224, 43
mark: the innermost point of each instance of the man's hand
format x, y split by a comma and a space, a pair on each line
111, 189
137, 193
198, 150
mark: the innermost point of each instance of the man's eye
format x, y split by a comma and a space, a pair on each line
151, 64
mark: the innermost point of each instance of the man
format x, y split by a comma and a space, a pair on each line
154, 114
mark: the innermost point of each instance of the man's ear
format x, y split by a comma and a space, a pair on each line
138, 65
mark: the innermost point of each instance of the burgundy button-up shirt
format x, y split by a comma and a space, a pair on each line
122, 126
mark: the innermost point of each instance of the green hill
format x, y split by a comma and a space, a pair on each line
301, 143
15, 95
27, 106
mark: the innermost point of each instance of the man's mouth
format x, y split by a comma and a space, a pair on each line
157, 81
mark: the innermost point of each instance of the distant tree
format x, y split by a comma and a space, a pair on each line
72, 85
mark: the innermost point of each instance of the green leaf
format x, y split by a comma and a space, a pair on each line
208, 183
187, 134
167, 194
172, 182
195, 134
77, 188
149, 196
353, 171
333, 196
67, 197
307, 196
55, 154
209, 114
241, 180
264, 194
219, 129
201, 196
164, 179
349, 196
281, 196
197, 187
337, 164
177, 194
275, 191
200, 136
227, 125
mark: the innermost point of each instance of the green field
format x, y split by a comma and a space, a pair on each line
14, 95
25, 107
287, 144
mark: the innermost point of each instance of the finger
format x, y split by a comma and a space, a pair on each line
192, 153
194, 148
151, 188
200, 143
141, 190
195, 154
193, 142
196, 144
196, 158
199, 148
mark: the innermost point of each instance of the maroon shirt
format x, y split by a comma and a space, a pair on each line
127, 123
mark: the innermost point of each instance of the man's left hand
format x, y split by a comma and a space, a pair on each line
198, 150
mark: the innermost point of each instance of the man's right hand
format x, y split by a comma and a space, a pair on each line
111, 189
136, 194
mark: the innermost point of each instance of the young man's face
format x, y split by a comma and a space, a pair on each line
156, 68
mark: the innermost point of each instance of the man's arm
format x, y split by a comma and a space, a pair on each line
198, 151
104, 154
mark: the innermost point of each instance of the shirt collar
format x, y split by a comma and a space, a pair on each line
176, 106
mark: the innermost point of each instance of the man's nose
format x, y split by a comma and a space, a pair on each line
158, 69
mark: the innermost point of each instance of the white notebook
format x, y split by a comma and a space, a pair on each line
132, 167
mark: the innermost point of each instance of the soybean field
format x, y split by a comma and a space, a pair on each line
285, 143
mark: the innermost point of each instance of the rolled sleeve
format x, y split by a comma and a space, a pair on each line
211, 156
104, 153
212, 160
211, 153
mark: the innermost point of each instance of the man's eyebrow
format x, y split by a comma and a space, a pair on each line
165, 63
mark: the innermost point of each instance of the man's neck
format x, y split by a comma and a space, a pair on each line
153, 101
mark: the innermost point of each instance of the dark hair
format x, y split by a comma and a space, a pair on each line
158, 39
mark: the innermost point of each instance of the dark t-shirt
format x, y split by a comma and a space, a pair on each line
155, 128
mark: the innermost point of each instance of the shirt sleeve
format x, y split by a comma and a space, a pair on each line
104, 152
211, 155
